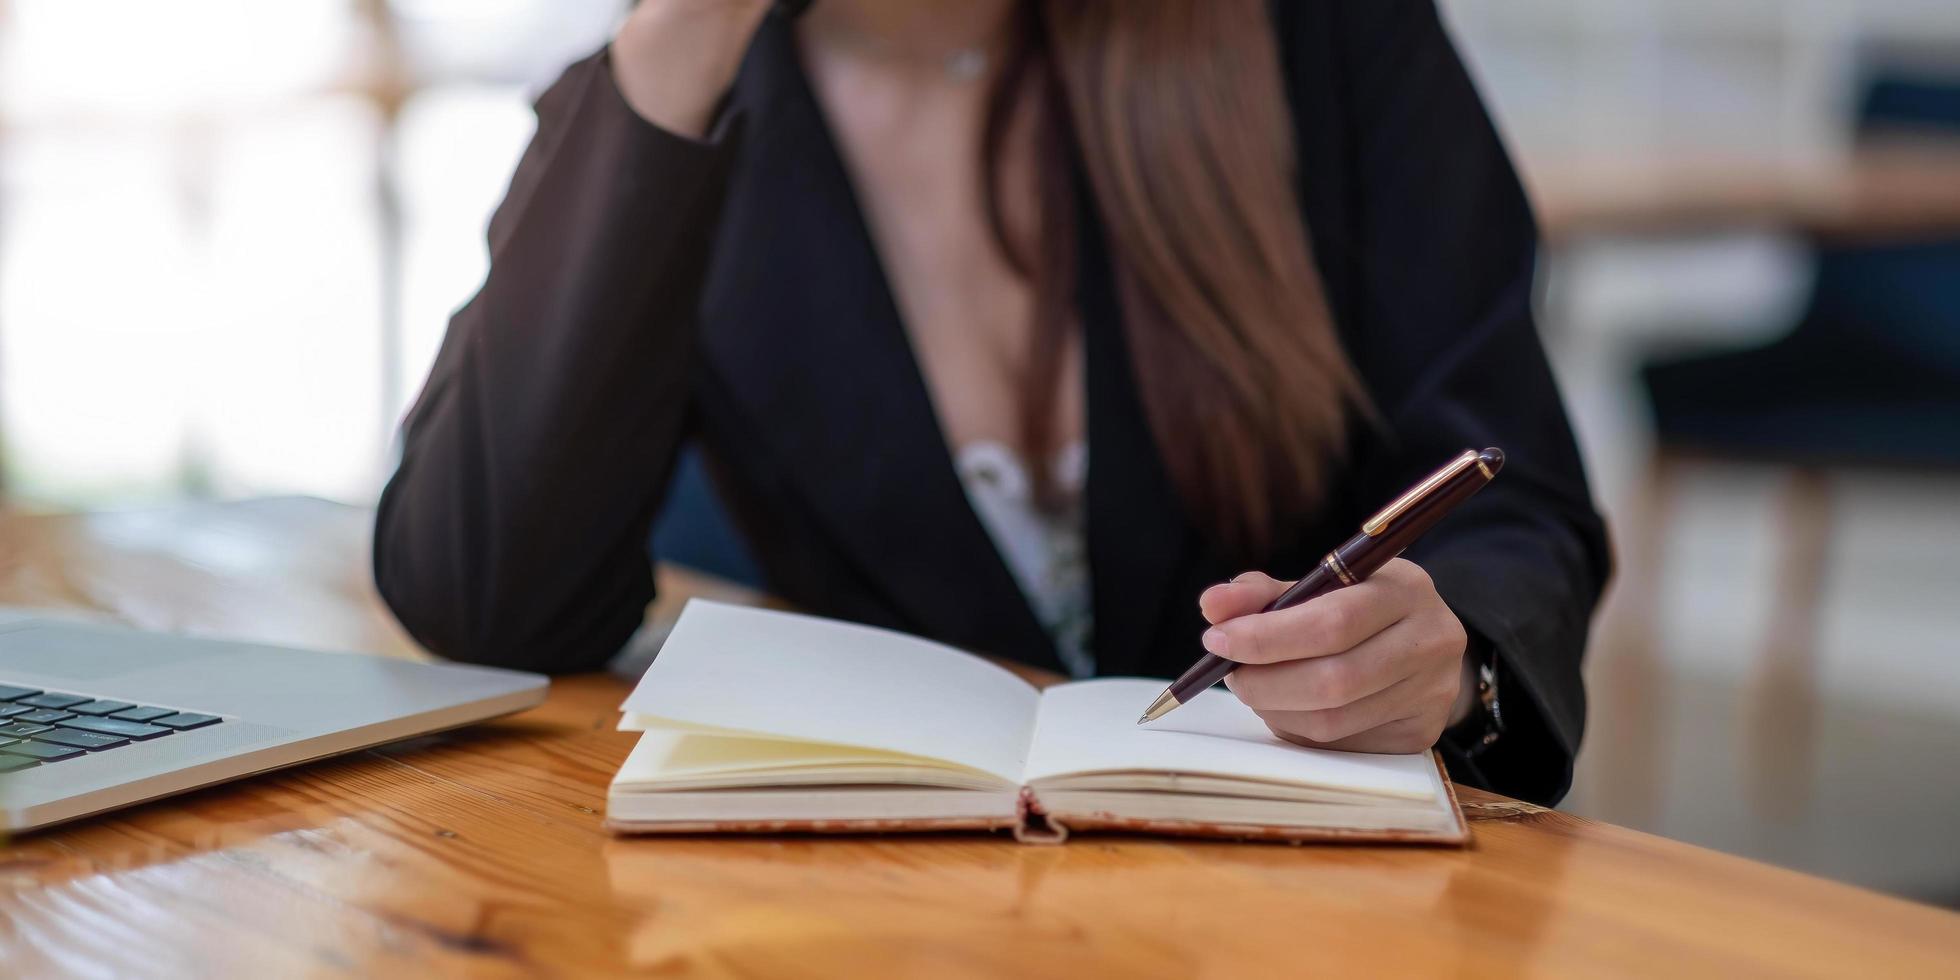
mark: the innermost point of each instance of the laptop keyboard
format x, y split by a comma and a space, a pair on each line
40, 728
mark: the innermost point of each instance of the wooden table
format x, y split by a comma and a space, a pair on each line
481, 851
1884, 190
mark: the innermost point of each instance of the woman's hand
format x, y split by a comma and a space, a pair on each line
1374, 667
673, 59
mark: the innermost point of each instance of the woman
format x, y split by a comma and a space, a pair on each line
1016, 325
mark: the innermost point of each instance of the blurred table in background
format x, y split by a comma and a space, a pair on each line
481, 850
1755, 687
285, 570
1884, 190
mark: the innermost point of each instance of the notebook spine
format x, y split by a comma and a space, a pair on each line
1031, 823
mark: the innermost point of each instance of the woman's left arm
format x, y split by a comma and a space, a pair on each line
1442, 249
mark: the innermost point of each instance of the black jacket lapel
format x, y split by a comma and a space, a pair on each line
810, 344
1139, 537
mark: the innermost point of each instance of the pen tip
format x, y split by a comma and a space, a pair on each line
1158, 708
1492, 458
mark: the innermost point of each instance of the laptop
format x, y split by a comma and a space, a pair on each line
96, 717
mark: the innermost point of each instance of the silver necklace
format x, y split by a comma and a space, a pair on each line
966, 64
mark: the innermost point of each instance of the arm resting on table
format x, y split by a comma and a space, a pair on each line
514, 532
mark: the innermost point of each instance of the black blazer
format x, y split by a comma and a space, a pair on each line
647, 289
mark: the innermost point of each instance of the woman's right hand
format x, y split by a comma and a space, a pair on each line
674, 59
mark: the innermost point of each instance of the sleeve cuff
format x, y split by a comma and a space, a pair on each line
1533, 760
720, 135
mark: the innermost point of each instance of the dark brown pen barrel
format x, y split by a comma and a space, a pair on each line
1365, 555
1211, 668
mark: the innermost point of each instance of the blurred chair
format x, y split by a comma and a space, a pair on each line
1871, 373
1868, 378
694, 529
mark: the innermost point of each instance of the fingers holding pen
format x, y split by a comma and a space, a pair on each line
1323, 683
1244, 595
1375, 667
1321, 627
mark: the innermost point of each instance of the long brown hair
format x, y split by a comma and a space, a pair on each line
1175, 110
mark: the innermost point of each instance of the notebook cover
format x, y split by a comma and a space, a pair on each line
907, 826
1034, 825
1063, 824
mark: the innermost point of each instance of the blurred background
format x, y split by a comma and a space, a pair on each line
231, 233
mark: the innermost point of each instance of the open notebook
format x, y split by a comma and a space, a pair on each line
754, 720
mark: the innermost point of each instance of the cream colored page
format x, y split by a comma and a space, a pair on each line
677, 753
1090, 726
802, 677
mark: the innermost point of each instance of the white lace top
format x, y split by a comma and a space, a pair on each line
1047, 552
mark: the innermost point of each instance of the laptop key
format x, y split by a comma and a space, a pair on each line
53, 700
10, 710
116, 726
15, 763
144, 714
21, 730
8, 692
186, 720
100, 708
43, 716
81, 740
41, 751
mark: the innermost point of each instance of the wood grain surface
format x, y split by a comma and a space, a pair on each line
1883, 190
480, 852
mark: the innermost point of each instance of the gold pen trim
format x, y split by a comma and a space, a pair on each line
1159, 708
1379, 523
1338, 567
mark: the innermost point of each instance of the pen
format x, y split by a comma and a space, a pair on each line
1384, 536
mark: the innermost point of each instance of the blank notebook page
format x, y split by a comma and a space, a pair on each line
1090, 726
781, 674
